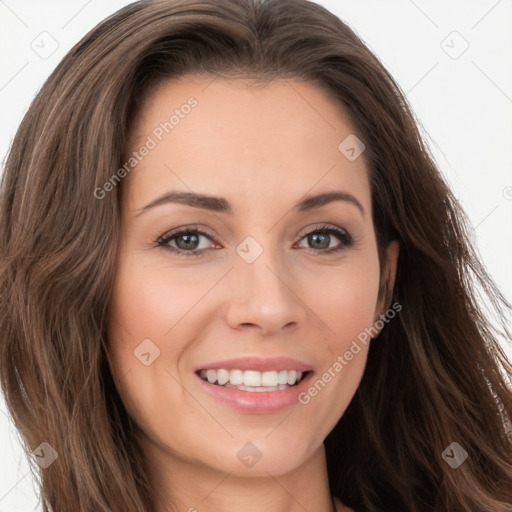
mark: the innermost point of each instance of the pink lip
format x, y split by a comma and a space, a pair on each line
254, 402
258, 364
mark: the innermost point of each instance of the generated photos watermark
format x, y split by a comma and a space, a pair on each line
342, 360
157, 135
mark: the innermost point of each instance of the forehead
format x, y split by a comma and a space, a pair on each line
240, 138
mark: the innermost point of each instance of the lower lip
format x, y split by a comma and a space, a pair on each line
255, 402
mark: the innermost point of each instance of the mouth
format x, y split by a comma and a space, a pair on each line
253, 380
255, 385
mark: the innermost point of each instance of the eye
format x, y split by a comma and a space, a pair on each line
320, 239
186, 241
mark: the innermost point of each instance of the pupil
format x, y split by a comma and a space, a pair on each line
315, 239
187, 244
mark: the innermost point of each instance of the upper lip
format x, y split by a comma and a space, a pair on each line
258, 364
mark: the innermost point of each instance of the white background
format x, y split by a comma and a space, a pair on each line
464, 105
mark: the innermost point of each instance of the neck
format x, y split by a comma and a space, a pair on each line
191, 486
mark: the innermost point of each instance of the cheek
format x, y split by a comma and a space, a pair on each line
149, 300
346, 305
347, 301
140, 313
153, 320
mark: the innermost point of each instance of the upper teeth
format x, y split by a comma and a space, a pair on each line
251, 377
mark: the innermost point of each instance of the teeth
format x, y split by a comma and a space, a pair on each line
282, 377
211, 375
270, 378
236, 377
252, 379
222, 376
292, 377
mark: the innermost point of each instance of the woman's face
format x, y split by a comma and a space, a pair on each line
273, 283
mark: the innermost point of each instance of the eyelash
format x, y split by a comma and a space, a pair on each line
346, 240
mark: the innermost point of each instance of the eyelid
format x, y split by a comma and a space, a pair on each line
192, 228
322, 226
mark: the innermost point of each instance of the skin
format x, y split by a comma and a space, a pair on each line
263, 149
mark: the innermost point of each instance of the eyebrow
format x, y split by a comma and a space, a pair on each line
221, 205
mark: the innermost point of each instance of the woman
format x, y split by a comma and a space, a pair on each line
232, 277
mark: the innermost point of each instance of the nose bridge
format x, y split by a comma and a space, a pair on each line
263, 291
260, 262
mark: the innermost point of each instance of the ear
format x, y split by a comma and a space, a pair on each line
390, 266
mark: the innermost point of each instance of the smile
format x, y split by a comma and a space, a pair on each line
252, 380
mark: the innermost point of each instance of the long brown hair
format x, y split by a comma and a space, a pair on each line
435, 375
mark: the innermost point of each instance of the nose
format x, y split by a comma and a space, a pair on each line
264, 294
